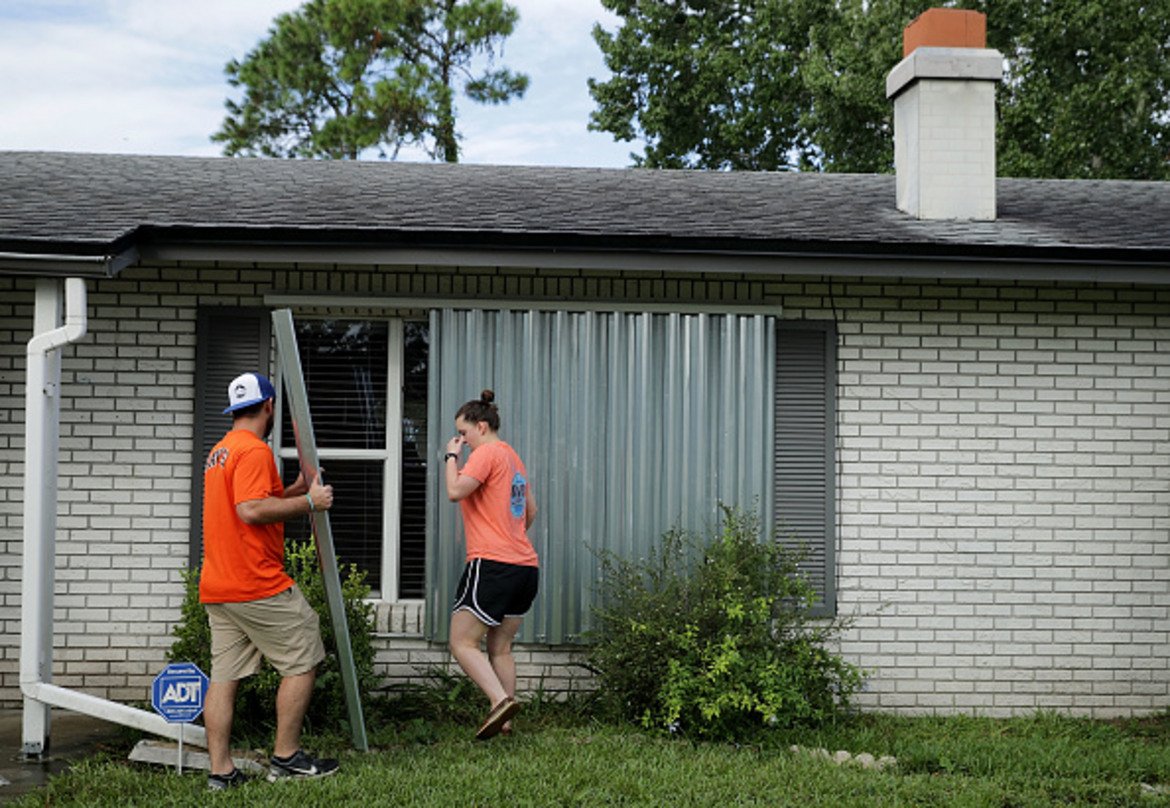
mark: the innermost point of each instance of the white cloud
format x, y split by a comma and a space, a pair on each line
554, 142
549, 126
230, 26
563, 19
146, 76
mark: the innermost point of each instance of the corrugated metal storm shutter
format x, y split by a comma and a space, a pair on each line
629, 423
228, 342
805, 446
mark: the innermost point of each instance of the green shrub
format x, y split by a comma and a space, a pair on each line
256, 699
714, 639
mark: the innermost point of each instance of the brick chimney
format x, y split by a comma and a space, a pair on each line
944, 116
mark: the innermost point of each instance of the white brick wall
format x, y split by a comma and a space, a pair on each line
1004, 478
946, 161
1005, 495
404, 657
126, 421
944, 132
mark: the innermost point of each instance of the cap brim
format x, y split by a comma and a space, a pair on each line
241, 405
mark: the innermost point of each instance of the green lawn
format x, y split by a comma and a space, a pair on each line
557, 757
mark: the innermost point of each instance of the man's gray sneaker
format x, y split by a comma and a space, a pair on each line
220, 782
301, 766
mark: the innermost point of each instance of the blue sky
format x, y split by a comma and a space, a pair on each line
146, 77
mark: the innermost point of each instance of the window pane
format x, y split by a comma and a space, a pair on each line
344, 365
415, 457
356, 516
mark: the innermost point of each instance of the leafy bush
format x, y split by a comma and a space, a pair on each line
256, 699
715, 639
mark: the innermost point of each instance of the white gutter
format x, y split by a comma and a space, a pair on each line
41, 264
42, 437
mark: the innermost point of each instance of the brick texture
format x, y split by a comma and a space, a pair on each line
1003, 478
1004, 494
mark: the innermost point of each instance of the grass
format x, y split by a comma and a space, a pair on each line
424, 755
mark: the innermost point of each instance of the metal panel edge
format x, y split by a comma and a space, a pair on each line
294, 382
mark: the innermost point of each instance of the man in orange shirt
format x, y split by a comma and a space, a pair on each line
254, 608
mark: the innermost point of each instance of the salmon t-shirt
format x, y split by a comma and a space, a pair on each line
241, 562
493, 514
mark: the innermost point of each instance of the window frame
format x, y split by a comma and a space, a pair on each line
390, 455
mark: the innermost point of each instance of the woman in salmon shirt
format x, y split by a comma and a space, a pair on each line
500, 579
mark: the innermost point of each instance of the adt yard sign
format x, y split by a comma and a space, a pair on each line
177, 692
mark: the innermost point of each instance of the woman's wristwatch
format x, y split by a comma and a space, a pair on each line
448, 455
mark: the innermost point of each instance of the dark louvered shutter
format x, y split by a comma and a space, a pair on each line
229, 341
806, 383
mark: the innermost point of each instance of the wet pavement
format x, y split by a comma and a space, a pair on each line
72, 737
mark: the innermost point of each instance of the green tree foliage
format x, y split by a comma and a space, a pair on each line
800, 84
691, 78
1087, 91
338, 77
713, 639
256, 698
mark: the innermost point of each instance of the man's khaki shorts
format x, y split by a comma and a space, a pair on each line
283, 629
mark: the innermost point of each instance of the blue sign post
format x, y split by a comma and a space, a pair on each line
177, 695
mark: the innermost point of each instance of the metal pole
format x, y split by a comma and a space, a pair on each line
298, 402
108, 710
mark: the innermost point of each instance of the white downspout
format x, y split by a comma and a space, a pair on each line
42, 408
42, 437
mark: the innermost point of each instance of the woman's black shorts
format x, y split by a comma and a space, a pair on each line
493, 590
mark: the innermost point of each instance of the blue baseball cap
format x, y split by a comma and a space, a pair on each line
248, 389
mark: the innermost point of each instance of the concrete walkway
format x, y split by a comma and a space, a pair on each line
72, 737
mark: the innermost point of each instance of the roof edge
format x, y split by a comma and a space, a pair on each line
177, 240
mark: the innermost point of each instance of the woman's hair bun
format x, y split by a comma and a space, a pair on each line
487, 396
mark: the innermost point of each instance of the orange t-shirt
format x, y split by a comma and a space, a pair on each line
241, 562
493, 514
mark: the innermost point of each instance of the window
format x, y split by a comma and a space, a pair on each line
415, 454
366, 382
630, 423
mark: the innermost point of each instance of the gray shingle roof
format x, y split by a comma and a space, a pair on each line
95, 203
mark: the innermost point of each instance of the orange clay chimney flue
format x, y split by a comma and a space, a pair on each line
945, 28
